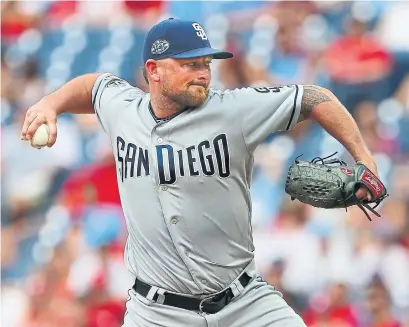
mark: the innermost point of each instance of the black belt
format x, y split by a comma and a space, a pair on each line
209, 305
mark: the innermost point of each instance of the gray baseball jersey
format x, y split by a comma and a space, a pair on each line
184, 182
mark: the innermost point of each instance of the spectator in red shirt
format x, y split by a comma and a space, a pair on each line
144, 13
14, 21
378, 305
103, 310
93, 184
333, 309
58, 11
356, 57
358, 66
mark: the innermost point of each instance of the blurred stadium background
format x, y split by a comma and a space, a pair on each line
62, 232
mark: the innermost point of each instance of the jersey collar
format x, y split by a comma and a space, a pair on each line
161, 120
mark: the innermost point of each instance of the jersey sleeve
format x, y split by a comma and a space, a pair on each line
109, 94
266, 110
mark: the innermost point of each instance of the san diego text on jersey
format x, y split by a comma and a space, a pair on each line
208, 157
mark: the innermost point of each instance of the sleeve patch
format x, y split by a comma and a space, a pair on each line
116, 82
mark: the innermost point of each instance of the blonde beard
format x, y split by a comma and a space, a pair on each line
186, 98
203, 93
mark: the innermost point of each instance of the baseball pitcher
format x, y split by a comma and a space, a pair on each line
184, 159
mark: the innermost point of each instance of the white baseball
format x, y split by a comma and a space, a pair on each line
40, 137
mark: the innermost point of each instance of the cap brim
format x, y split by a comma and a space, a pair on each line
202, 52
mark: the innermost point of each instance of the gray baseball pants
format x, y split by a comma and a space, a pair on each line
258, 305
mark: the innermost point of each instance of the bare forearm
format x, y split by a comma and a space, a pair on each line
73, 97
322, 106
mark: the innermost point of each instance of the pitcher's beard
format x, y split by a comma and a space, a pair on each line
194, 96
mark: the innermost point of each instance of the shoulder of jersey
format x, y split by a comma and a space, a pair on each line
115, 81
222, 93
134, 95
137, 92
134, 92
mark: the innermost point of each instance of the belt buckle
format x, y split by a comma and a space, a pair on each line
202, 302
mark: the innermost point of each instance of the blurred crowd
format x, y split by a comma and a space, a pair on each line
63, 232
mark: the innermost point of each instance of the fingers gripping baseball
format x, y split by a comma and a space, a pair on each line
363, 192
35, 117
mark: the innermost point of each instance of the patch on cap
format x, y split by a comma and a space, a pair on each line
159, 47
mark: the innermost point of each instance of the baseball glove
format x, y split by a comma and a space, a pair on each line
332, 184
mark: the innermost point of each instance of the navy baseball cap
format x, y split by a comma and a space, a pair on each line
174, 38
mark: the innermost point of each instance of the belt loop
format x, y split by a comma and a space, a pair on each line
161, 296
236, 288
152, 293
